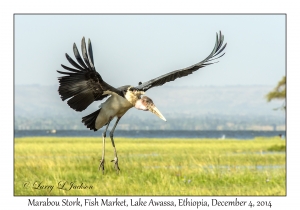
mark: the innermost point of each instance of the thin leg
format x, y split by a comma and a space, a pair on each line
101, 166
113, 144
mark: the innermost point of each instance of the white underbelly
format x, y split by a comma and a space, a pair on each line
114, 106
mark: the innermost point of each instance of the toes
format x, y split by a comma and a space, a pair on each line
101, 166
117, 168
116, 164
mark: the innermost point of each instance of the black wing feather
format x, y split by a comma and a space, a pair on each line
84, 54
70, 69
73, 62
220, 42
221, 50
78, 57
91, 59
83, 85
171, 76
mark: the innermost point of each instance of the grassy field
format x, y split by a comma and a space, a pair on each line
69, 166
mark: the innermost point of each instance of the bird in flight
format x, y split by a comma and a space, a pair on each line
82, 85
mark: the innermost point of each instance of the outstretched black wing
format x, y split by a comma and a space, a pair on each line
171, 76
83, 85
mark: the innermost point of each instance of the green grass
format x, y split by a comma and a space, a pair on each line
150, 166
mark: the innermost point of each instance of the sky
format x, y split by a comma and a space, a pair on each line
132, 48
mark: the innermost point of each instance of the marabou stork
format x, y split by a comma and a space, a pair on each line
83, 85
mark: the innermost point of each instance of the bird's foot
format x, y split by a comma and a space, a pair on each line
101, 166
115, 160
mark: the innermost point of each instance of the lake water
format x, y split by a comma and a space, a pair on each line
153, 134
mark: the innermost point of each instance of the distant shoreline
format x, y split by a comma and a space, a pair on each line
217, 134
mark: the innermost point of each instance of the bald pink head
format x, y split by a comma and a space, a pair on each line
146, 104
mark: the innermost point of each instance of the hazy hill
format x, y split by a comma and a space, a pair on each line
37, 104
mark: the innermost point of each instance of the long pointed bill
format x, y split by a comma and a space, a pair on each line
155, 111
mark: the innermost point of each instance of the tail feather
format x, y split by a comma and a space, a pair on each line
90, 120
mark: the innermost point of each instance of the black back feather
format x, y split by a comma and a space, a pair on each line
90, 120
